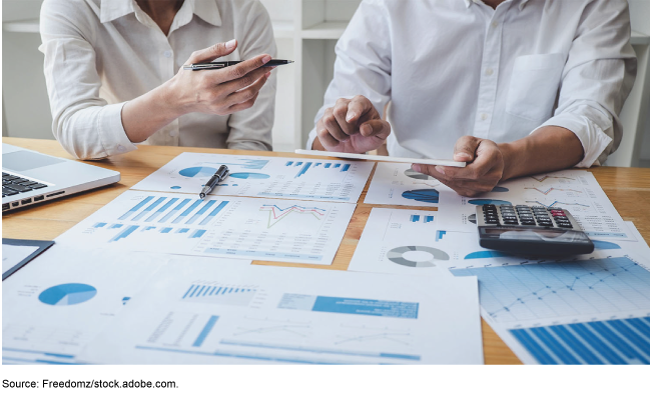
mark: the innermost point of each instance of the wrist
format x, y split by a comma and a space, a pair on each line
511, 160
169, 101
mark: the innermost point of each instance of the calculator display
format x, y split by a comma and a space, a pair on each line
554, 235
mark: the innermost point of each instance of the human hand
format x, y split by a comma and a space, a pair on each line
222, 91
484, 170
351, 126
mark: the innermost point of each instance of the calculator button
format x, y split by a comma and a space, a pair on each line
565, 225
528, 222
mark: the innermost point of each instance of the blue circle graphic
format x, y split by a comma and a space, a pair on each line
175, 187
197, 171
249, 175
487, 201
67, 294
423, 195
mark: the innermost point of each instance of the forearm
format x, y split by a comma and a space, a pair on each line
146, 114
550, 148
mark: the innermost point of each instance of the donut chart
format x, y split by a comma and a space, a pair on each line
396, 255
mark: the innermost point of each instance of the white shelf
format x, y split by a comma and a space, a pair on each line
283, 29
325, 31
639, 38
23, 26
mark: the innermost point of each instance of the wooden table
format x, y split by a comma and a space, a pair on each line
627, 188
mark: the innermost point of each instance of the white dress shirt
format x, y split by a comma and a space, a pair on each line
458, 67
99, 54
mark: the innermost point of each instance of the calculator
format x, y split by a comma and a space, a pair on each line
530, 230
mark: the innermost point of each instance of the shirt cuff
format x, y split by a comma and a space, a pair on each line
592, 137
111, 131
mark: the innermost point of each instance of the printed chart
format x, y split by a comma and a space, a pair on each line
260, 229
257, 176
574, 190
62, 299
398, 184
587, 311
294, 316
409, 242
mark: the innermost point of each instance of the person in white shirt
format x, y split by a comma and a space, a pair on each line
114, 74
511, 87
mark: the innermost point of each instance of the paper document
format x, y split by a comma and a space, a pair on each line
204, 313
398, 184
412, 242
259, 176
14, 254
246, 228
577, 311
359, 156
59, 302
574, 190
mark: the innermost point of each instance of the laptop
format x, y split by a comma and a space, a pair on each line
29, 177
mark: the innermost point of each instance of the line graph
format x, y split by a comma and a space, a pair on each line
549, 190
275, 328
566, 288
362, 334
542, 178
276, 214
557, 203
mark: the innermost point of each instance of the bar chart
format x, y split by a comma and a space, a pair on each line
220, 294
255, 176
246, 228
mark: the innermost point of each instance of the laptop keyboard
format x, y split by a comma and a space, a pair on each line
12, 185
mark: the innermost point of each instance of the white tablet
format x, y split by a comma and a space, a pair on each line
433, 162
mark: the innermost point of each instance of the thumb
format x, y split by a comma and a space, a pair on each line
215, 51
465, 148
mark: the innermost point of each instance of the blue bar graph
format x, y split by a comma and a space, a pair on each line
201, 212
415, 218
328, 165
149, 208
440, 234
289, 163
428, 219
206, 330
124, 233
98, 225
116, 225
304, 169
619, 341
317, 164
337, 165
298, 164
182, 230
197, 233
136, 208
148, 228
161, 209
174, 210
345, 167
166, 230
214, 213
187, 211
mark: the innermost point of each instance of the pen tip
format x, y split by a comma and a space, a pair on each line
201, 196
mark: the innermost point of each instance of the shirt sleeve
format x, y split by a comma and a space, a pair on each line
597, 78
85, 125
363, 61
250, 129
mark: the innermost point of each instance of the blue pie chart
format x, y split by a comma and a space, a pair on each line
484, 254
423, 195
487, 201
500, 189
198, 171
249, 175
67, 294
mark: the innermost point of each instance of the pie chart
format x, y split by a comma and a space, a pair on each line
67, 294
418, 175
191, 172
400, 255
500, 189
249, 175
430, 196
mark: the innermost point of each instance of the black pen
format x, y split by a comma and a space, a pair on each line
218, 65
218, 176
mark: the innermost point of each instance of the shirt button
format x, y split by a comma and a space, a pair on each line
484, 116
120, 148
495, 24
489, 72
167, 53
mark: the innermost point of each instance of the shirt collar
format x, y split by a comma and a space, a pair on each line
206, 10
522, 3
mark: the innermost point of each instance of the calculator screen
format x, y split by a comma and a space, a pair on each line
528, 234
